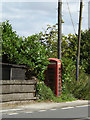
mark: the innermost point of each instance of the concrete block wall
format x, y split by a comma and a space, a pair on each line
18, 90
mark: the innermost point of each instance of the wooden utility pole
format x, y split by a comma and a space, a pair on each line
79, 38
59, 27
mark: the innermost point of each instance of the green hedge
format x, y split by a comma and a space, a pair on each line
22, 50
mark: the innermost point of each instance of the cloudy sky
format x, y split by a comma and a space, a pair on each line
29, 17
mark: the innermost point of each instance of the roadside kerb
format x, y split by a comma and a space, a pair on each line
46, 106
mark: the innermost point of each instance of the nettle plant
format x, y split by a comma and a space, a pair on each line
22, 50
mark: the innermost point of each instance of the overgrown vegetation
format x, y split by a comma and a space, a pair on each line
80, 89
34, 52
45, 93
27, 51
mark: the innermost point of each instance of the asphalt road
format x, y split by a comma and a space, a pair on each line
80, 112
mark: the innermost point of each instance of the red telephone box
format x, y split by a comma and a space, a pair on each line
53, 76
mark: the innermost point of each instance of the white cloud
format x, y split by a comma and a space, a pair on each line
89, 15
36, 29
42, 0
0, 11
29, 8
29, 18
29, 0
5, 16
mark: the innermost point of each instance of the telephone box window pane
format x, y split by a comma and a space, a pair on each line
50, 68
51, 77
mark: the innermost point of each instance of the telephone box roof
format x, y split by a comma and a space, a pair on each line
54, 59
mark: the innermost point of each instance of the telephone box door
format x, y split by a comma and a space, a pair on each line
53, 76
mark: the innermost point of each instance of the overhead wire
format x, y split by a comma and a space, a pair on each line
71, 16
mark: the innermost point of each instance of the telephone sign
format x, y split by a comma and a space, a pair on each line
53, 76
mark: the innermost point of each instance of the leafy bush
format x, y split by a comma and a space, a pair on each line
80, 89
69, 56
68, 71
85, 50
27, 51
45, 93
